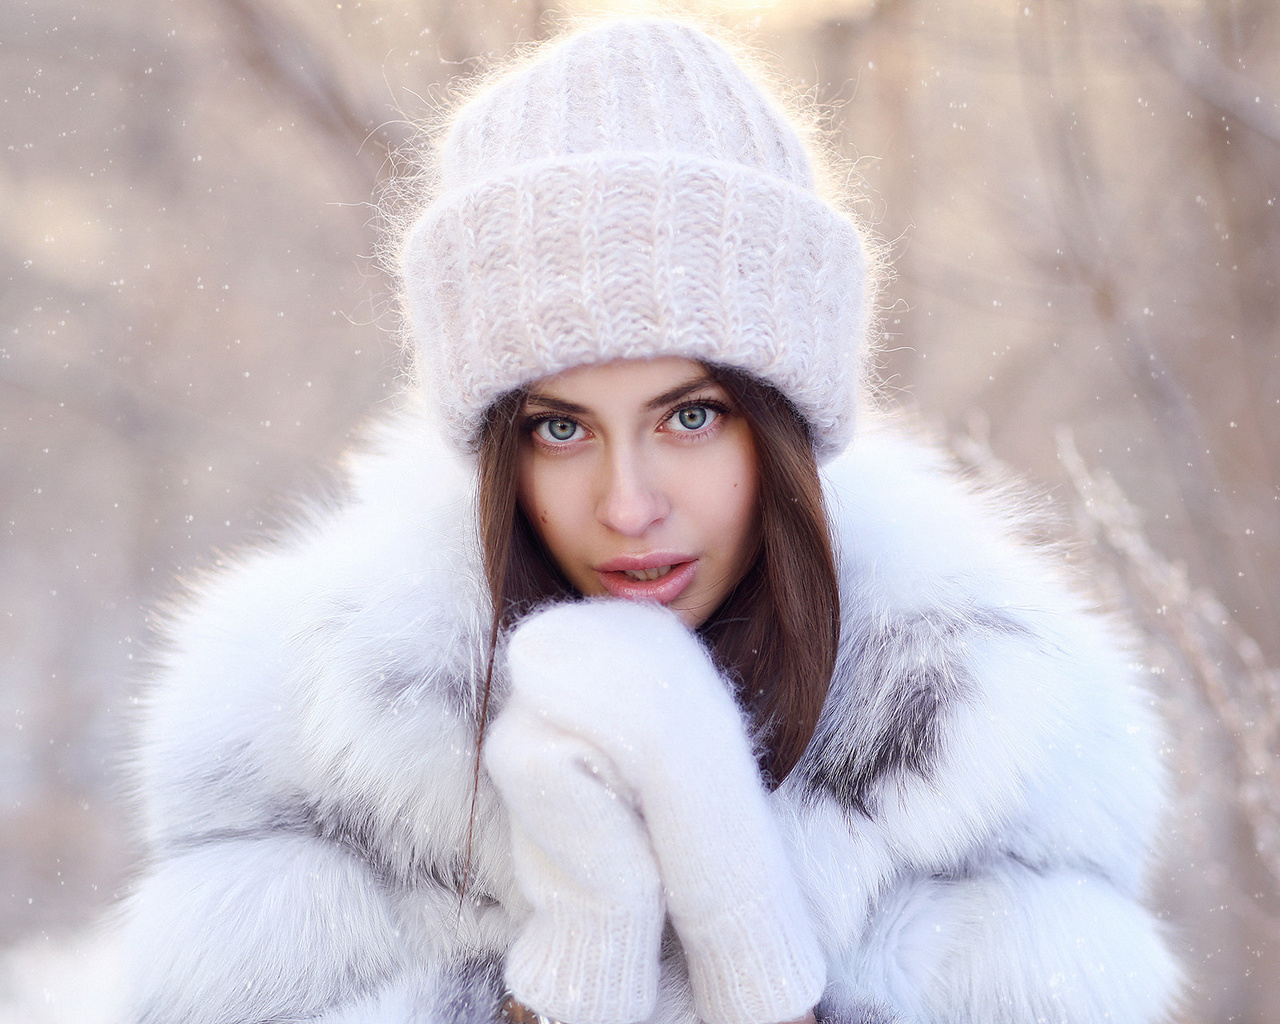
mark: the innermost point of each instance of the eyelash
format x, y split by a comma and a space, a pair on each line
719, 408
534, 422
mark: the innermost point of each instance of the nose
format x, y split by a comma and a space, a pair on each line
631, 496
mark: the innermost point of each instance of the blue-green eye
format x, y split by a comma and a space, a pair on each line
557, 431
693, 418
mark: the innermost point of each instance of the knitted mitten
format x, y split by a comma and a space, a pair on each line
589, 951
634, 682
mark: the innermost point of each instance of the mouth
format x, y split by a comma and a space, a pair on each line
648, 575
662, 579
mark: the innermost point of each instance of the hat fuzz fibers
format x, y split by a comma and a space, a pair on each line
631, 194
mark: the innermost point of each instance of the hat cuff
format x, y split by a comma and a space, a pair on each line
587, 259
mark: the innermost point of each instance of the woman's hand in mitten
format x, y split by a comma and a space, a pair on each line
589, 950
634, 682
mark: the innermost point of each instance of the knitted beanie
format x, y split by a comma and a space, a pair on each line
633, 193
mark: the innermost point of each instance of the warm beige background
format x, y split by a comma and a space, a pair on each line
1082, 199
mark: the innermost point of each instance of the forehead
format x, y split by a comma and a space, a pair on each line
621, 380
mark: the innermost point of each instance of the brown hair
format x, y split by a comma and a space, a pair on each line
774, 636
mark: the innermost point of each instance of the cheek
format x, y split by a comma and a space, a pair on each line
744, 512
550, 500
730, 499
533, 491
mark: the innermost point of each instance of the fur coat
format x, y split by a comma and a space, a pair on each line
970, 825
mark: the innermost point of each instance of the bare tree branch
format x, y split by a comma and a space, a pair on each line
1094, 257
297, 66
1224, 663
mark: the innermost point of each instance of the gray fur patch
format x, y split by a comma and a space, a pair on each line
407, 647
407, 678
393, 868
395, 862
863, 1013
224, 777
471, 991
887, 707
295, 824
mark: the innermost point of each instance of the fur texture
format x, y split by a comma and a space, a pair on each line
970, 825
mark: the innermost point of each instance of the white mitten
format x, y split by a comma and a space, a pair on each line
589, 951
634, 682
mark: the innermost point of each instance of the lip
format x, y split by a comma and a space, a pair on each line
613, 576
648, 560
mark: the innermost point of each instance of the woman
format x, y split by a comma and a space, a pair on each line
622, 709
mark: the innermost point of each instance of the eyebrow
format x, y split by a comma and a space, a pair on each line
546, 402
679, 391
560, 405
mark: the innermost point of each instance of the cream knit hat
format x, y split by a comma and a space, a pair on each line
632, 193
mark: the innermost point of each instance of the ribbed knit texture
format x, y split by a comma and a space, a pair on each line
634, 685
633, 194
589, 950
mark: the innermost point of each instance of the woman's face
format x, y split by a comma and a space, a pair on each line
641, 480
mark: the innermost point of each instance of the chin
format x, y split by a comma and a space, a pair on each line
691, 617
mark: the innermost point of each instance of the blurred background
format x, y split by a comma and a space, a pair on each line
1081, 197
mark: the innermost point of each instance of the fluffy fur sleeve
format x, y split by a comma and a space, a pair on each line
976, 812
306, 766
